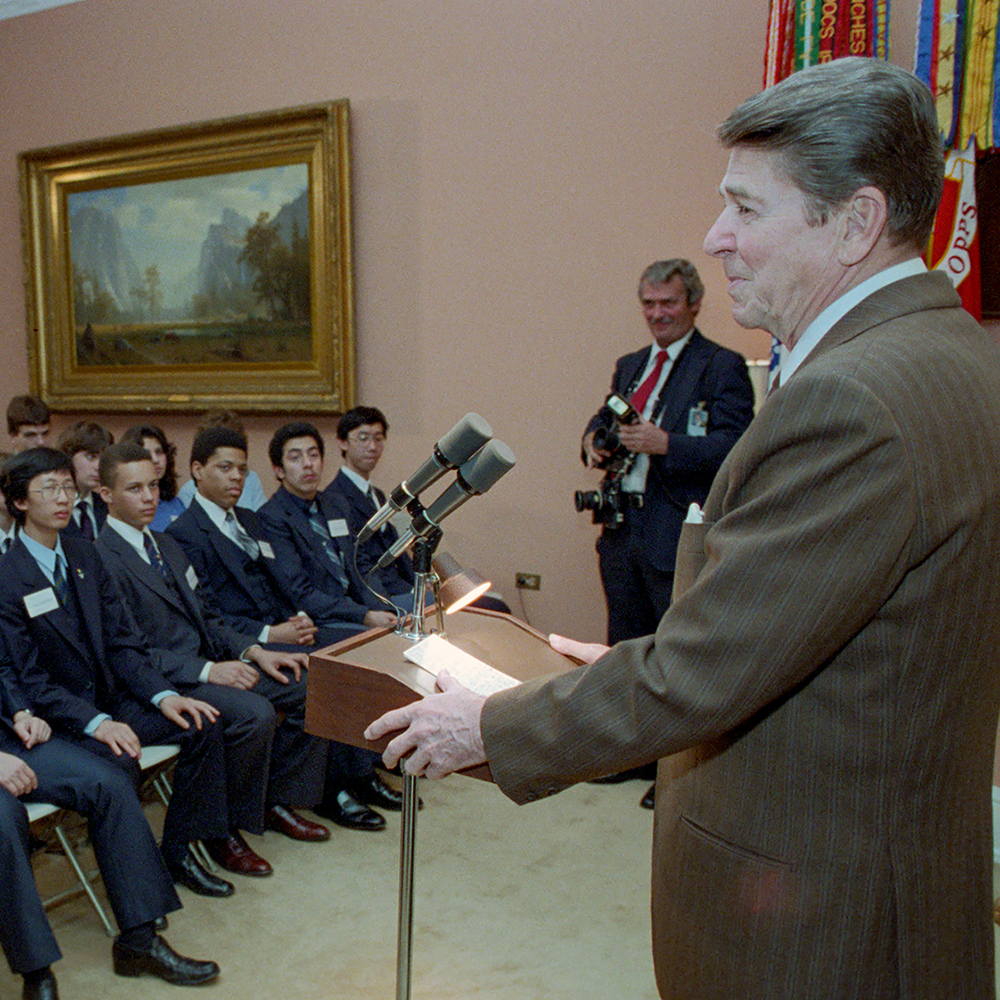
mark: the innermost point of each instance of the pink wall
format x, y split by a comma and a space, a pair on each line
515, 166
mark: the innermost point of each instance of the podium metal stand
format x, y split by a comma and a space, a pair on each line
355, 681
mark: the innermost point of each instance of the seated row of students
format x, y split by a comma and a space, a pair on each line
226, 601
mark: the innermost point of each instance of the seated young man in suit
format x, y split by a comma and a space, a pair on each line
225, 545
83, 443
219, 664
361, 434
314, 563
37, 767
83, 666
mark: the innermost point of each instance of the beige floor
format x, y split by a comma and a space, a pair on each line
543, 902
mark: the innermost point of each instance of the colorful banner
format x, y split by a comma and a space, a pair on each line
958, 58
954, 244
802, 33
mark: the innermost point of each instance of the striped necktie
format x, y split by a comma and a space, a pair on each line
332, 553
155, 559
59, 582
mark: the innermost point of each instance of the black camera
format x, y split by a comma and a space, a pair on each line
606, 438
607, 502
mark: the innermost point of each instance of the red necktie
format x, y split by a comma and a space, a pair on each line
641, 396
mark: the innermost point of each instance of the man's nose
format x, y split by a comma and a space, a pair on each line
719, 238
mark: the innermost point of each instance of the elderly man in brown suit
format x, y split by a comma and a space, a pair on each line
826, 692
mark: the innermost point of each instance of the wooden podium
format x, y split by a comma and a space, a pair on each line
355, 681
352, 683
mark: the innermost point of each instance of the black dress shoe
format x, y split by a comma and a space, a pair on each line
345, 810
648, 801
373, 791
159, 959
43, 988
189, 873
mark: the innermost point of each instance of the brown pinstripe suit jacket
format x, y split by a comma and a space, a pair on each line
826, 693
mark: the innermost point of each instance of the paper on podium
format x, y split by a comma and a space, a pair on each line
435, 654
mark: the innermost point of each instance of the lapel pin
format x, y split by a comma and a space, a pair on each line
79, 573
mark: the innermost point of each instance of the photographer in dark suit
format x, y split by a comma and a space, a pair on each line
693, 399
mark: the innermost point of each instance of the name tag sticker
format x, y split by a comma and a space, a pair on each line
265, 549
40, 602
337, 527
697, 421
192, 578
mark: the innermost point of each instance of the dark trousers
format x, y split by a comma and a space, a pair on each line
25, 935
198, 807
135, 877
636, 591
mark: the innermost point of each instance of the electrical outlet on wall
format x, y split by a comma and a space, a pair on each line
528, 581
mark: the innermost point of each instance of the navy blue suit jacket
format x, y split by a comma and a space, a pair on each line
398, 576
181, 636
704, 373
302, 565
224, 587
72, 665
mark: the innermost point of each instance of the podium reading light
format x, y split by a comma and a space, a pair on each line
459, 587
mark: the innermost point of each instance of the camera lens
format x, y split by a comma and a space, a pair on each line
587, 500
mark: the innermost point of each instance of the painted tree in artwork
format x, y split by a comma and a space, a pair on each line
282, 280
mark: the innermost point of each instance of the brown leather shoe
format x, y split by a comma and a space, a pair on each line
291, 824
235, 855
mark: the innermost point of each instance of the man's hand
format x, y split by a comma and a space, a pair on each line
594, 455
175, 708
272, 663
119, 737
298, 630
233, 674
16, 776
585, 652
644, 437
442, 731
31, 730
380, 619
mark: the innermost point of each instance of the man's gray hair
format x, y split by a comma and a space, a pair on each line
661, 271
847, 124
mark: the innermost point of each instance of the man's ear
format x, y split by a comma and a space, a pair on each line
279, 472
196, 468
104, 493
862, 219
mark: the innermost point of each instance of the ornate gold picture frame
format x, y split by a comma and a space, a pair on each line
195, 267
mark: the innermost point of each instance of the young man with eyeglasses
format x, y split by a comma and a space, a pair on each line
361, 437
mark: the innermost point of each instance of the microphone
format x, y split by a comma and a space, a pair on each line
476, 476
456, 447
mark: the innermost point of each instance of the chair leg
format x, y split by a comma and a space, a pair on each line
84, 880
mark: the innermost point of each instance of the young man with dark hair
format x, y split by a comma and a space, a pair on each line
253, 496
28, 421
83, 443
314, 563
36, 766
361, 436
84, 667
200, 654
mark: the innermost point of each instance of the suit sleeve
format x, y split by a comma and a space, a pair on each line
783, 590
728, 393
320, 605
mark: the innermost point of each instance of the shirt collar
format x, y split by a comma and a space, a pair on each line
674, 349
212, 509
131, 535
839, 308
362, 484
43, 555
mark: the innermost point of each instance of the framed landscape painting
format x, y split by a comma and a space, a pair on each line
196, 267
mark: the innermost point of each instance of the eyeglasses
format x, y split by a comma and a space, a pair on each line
50, 491
365, 438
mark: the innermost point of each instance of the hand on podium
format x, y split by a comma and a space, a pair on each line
441, 732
